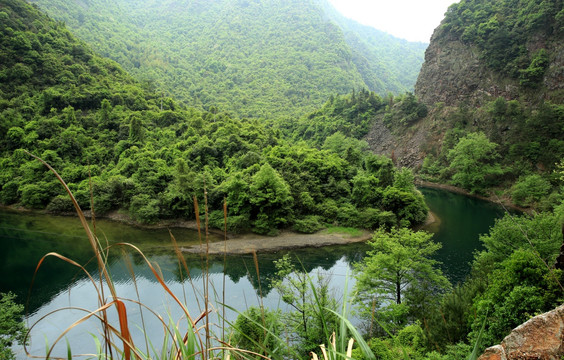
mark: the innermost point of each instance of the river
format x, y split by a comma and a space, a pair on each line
26, 238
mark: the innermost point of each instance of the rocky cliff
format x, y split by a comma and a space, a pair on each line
483, 51
540, 338
489, 48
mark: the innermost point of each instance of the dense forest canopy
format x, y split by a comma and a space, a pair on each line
248, 57
150, 156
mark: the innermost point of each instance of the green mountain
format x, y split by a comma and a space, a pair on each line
492, 79
150, 156
387, 64
253, 58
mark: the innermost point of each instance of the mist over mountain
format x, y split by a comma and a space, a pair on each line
253, 58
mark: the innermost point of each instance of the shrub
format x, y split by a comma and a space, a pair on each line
529, 190
60, 203
12, 327
235, 223
144, 208
9, 193
34, 196
258, 330
348, 215
308, 224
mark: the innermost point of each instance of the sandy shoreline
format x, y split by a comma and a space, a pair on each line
249, 243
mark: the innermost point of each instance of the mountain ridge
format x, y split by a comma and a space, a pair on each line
253, 58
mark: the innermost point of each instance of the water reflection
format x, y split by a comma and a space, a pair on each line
26, 238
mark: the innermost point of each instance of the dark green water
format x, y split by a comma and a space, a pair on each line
26, 238
461, 219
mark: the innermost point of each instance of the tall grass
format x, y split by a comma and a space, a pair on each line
197, 341
116, 341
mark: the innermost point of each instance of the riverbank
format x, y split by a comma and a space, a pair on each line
247, 243
503, 202
244, 243
286, 240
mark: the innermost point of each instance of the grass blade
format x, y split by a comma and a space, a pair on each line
474, 354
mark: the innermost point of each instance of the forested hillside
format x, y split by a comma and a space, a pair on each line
488, 108
487, 116
514, 107
252, 58
149, 156
387, 64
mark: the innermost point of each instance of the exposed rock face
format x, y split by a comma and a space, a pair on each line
540, 338
404, 149
456, 72
453, 72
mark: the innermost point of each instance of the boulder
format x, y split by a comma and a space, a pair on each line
540, 338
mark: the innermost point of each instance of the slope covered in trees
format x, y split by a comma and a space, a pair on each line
252, 58
149, 156
387, 64
486, 116
520, 115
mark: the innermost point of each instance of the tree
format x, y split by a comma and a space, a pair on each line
409, 206
136, 131
270, 198
12, 327
473, 160
519, 287
310, 320
398, 275
530, 189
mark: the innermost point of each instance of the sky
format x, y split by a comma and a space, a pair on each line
413, 20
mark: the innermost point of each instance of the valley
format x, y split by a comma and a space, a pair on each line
279, 122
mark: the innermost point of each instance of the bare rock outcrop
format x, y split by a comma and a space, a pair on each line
540, 338
455, 72
404, 149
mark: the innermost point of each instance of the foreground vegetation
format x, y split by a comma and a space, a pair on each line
12, 328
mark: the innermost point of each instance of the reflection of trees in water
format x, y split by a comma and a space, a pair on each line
22, 250
324, 258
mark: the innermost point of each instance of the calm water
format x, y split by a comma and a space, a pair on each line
26, 238
461, 220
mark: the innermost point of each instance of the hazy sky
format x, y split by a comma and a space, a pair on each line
413, 20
